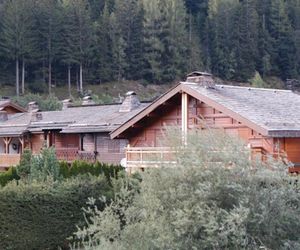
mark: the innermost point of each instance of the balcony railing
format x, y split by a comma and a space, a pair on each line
144, 157
72, 154
7, 160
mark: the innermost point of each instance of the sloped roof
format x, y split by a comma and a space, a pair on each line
16, 124
82, 119
7, 103
271, 112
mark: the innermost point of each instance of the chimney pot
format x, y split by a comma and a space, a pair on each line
88, 100
66, 104
33, 107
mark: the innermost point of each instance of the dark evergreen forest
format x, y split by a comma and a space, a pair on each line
55, 42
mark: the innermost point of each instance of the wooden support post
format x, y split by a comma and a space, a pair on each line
184, 116
21, 139
95, 146
7, 141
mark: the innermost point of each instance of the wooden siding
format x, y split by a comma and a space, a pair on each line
110, 151
37, 141
148, 132
66, 140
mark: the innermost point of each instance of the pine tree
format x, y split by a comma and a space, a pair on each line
16, 39
81, 23
282, 44
245, 39
49, 28
103, 58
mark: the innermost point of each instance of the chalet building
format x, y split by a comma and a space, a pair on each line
268, 120
76, 132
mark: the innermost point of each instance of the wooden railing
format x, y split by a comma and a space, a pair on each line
143, 157
72, 154
7, 160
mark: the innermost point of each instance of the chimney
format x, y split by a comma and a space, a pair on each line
36, 116
292, 84
66, 104
3, 116
88, 100
130, 102
203, 79
32, 107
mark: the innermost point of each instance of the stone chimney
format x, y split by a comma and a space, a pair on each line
32, 107
203, 79
130, 102
3, 116
87, 100
66, 104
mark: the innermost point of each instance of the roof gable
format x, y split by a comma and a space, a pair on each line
270, 112
11, 107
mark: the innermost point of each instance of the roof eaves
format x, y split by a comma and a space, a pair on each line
160, 100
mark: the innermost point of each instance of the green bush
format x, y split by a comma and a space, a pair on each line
215, 198
23, 169
44, 165
82, 167
48, 103
9, 175
43, 215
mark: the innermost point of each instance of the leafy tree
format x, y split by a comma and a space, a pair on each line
209, 200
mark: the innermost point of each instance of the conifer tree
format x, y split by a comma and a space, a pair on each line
80, 21
48, 26
16, 38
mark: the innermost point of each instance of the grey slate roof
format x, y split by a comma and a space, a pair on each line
277, 111
85, 119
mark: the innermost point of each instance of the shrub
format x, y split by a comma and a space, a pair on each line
9, 175
82, 167
42, 215
44, 165
215, 198
23, 169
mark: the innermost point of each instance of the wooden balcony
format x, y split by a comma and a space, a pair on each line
8, 160
72, 154
147, 157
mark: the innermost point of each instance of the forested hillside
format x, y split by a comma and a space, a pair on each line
55, 42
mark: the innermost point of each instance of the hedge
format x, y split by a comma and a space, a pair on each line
9, 175
83, 167
42, 216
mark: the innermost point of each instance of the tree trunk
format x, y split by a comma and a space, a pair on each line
49, 76
77, 80
69, 80
80, 79
23, 76
17, 77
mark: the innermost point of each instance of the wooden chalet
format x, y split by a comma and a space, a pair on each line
76, 132
268, 120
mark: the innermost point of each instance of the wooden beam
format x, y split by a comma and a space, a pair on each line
184, 116
21, 139
7, 141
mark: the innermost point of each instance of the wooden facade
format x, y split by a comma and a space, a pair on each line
187, 111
